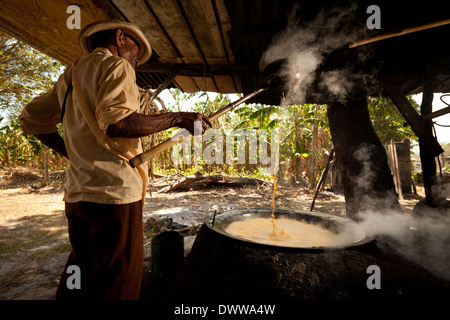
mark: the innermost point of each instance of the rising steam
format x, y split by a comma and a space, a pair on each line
424, 238
304, 46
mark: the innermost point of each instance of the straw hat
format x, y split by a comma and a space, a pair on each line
86, 35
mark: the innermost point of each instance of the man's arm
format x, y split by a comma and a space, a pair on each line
138, 125
53, 141
135, 126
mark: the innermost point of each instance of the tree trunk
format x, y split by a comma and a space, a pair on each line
361, 158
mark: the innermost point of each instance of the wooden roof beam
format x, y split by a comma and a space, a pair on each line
416, 122
199, 70
222, 39
194, 37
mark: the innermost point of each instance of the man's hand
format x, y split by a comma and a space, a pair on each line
192, 120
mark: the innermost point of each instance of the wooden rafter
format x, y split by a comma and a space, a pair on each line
411, 116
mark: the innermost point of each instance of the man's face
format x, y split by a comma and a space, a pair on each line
128, 49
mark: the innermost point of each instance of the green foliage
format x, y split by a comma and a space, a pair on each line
180, 99
24, 73
446, 148
446, 155
295, 124
387, 121
15, 147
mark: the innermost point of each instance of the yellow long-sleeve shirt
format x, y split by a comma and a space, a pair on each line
104, 92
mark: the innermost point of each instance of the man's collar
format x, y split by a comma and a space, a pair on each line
103, 50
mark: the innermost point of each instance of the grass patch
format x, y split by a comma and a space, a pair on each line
44, 254
10, 245
12, 279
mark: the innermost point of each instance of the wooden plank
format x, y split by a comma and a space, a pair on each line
197, 60
138, 12
199, 69
226, 27
186, 84
169, 33
226, 84
203, 22
193, 60
169, 15
205, 83
396, 172
196, 84
436, 114
411, 116
42, 24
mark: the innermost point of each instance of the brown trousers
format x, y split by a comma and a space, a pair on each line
107, 246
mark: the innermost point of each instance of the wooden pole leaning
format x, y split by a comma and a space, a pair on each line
401, 33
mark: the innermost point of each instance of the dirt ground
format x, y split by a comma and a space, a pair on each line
34, 242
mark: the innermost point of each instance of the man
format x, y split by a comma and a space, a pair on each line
103, 194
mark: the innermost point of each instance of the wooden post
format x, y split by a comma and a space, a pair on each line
427, 158
396, 171
412, 117
323, 178
403, 150
46, 164
312, 161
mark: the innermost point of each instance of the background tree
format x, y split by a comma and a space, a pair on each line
387, 121
24, 73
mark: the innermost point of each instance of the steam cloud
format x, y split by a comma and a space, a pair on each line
423, 239
304, 46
